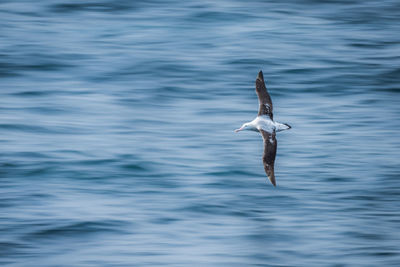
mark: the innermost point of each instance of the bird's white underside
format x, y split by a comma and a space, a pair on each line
265, 123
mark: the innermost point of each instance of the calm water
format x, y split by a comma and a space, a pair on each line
117, 144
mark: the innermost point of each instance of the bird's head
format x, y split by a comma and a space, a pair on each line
244, 127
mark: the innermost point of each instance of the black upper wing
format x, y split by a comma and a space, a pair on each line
263, 97
270, 145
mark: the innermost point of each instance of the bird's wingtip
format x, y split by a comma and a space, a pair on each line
260, 76
272, 179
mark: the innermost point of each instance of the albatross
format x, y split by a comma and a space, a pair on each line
265, 124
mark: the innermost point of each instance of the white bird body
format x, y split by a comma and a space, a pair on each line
265, 123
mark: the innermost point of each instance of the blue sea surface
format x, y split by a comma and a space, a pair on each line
117, 145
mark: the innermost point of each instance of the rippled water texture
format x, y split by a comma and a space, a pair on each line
117, 145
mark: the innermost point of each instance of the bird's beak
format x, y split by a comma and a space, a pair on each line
238, 130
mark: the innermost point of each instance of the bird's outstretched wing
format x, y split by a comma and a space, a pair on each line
270, 145
263, 97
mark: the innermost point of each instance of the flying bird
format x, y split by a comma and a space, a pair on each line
265, 124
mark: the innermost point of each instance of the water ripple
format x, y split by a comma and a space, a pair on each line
117, 143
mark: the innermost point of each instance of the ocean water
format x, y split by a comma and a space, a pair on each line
117, 145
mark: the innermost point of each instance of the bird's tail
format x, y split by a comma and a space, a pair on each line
282, 127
